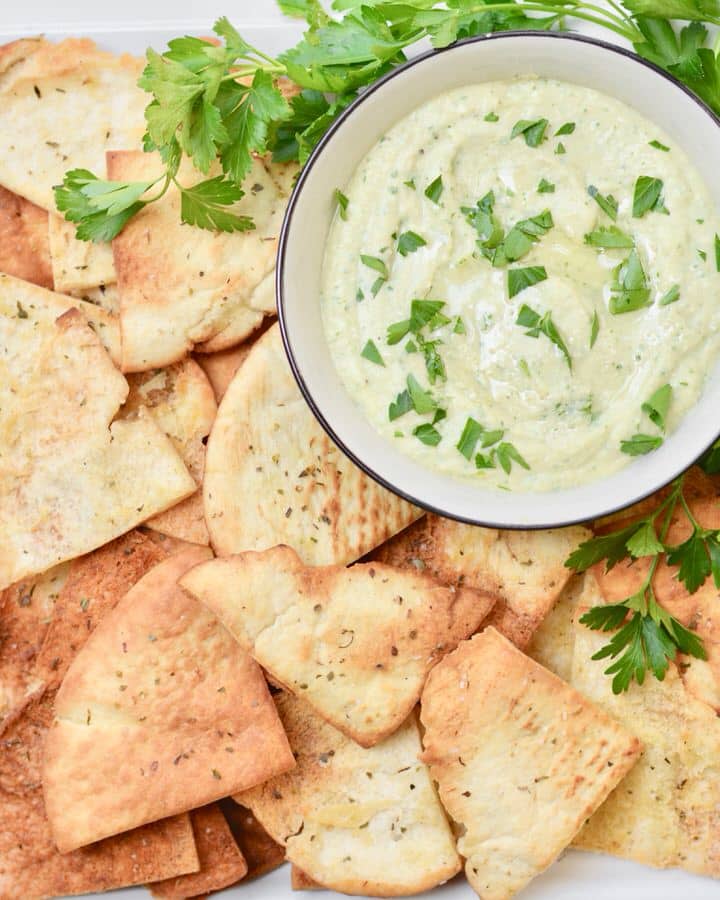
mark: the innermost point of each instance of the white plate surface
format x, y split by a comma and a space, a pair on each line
131, 26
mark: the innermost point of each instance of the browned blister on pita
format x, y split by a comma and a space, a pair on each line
178, 294
356, 820
261, 852
71, 479
24, 250
161, 711
221, 862
272, 475
355, 643
525, 569
521, 760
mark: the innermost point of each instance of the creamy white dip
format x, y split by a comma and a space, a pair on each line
566, 423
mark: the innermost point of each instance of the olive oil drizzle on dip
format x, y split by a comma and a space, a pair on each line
521, 284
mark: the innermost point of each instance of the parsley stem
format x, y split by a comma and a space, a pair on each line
671, 503
693, 521
273, 68
607, 19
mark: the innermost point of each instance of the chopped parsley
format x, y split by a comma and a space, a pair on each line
492, 117
560, 149
702, 254
371, 352
428, 434
629, 290
567, 128
400, 405
533, 130
545, 187
519, 279
470, 436
608, 205
422, 400
658, 146
594, 329
537, 325
493, 243
434, 190
409, 242
670, 296
716, 245
375, 263
656, 408
610, 238
410, 183
640, 444
459, 327
647, 196
342, 203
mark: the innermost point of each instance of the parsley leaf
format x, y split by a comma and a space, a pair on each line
371, 352
537, 325
428, 434
423, 312
409, 242
342, 203
658, 146
717, 253
629, 289
492, 117
401, 405
641, 444
205, 205
656, 408
545, 187
375, 263
533, 130
422, 400
647, 196
434, 190
670, 296
470, 436
608, 204
519, 279
567, 128
609, 238
507, 454
594, 329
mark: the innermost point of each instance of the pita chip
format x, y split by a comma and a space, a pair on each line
525, 569
24, 250
521, 759
30, 866
104, 295
299, 881
553, 644
666, 813
182, 402
160, 711
178, 294
221, 862
81, 101
221, 367
272, 476
262, 854
78, 265
26, 609
355, 643
358, 821
71, 480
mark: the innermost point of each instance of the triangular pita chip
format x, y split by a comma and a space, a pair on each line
221, 862
178, 292
104, 295
300, 881
272, 475
78, 265
525, 569
182, 402
221, 367
61, 107
161, 711
71, 480
359, 821
24, 250
520, 758
355, 643
553, 643
261, 852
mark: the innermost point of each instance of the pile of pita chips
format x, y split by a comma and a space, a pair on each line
272, 475
359, 821
525, 569
521, 759
356, 643
161, 711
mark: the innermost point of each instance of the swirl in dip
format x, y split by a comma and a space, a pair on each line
520, 284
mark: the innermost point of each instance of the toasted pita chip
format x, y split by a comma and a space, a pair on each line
26, 609
355, 820
526, 569
221, 367
78, 265
104, 295
299, 881
221, 862
356, 643
667, 812
261, 852
30, 866
24, 250
81, 102
161, 711
521, 759
71, 481
177, 294
182, 402
272, 476
553, 643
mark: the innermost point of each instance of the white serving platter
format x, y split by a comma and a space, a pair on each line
131, 26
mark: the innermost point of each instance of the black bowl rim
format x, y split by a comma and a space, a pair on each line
284, 238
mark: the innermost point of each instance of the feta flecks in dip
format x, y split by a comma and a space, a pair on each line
520, 284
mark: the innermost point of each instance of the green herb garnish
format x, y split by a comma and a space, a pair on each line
648, 196
428, 434
519, 279
545, 187
537, 325
717, 253
656, 408
409, 242
533, 130
640, 444
629, 290
609, 238
371, 352
342, 203
658, 146
492, 117
560, 149
608, 204
670, 296
434, 190
594, 329
400, 405
567, 128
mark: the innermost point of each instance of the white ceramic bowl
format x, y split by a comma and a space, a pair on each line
566, 57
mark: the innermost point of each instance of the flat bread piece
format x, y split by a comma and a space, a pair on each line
666, 813
78, 265
300, 881
71, 481
182, 402
61, 107
24, 250
104, 295
30, 866
221, 862
262, 854
525, 569
161, 711
521, 760
358, 821
221, 367
272, 475
553, 644
355, 643
178, 292
26, 609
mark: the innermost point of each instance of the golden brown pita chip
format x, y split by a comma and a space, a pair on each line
272, 476
182, 403
175, 293
26, 609
161, 711
24, 250
61, 107
221, 862
261, 852
553, 643
221, 367
520, 758
78, 265
359, 821
525, 569
104, 295
70, 480
30, 866
666, 813
355, 643
299, 881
